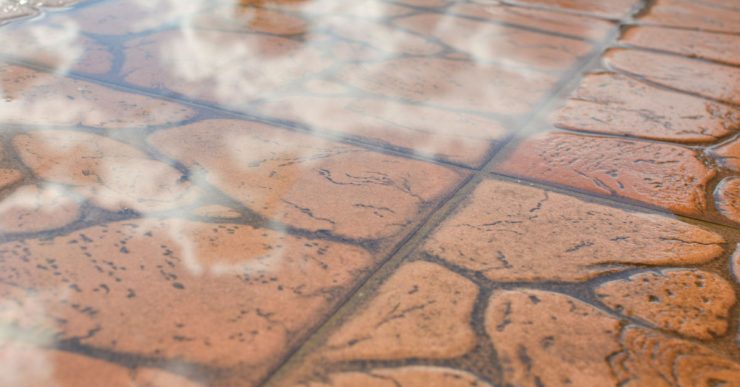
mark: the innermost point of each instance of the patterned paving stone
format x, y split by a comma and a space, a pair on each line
514, 47
422, 311
216, 211
308, 182
649, 358
617, 104
611, 9
727, 198
31, 208
695, 44
221, 295
250, 18
702, 15
575, 25
113, 175
492, 233
662, 175
35, 98
544, 338
710, 80
457, 137
451, 83
27, 366
414, 376
691, 302
728, 155
8, 174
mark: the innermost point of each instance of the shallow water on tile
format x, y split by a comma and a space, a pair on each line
190, 190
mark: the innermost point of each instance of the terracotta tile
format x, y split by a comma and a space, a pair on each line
9, 175
702, 15
661, 175
58, 45
451, 83
217, 211
422, 311
576, 240
307, 182
544, 338
250, 18
513, 47
221, 295
735, 263
454, 136
386, 37
28, 366
611, 9
366, 9
710, 80
575, 25
111, 174
617, 104
696, 44
413, 376
37, 98
691, 302
31, 208
728, 154
230, 69
727, 198
649, 358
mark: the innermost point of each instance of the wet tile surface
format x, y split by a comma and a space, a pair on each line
369, 193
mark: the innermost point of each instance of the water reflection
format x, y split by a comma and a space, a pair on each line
195, 185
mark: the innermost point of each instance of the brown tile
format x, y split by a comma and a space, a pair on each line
411, 376
382, 36
702, 15
454, 136
617, 104
735, 263
307, 182
649, 358
662, 175
611, 9
727, 198
9, 175
513, 47
217, 211
575, 240
230, 69
422, 311
31, 208
250, 18
691, 302
111, 174
27, 366
696, 44
38, 98
545, 339
710, 80
575, 25
728, 154
451, 83
220, 295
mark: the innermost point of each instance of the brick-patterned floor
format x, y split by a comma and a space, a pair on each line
370, 193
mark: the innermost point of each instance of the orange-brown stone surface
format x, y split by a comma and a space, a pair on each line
307, 182
8, 174
617, 104
413, 376
111, 174
546, 339
728, 154
735, 263
662, 175
422, 311
492, 233
690, 75
691, 302
224, 295
704, 15
649, 358
727, 198
32, 97
612, 9
31, 208
697, 44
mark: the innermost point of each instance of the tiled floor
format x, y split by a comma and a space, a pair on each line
370, 193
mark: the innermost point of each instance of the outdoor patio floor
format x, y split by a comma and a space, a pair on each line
370, 193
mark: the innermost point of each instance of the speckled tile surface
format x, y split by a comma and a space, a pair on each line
369, 193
